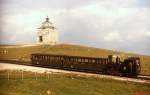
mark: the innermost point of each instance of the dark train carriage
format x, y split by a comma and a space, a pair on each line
70, 62
47, 60
129, 67
84, 63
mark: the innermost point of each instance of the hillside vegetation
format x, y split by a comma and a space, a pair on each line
22, 53
65, 84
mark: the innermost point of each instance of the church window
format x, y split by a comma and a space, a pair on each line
40, 39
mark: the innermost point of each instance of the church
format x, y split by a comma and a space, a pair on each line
47, 33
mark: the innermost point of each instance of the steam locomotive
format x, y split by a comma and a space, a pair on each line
129, 67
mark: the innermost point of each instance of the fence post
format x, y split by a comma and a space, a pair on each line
15, 75
35, 76
8, 75
48, 76
22, 74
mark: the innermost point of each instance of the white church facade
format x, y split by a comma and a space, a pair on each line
47, 33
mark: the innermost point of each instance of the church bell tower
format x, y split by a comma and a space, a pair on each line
47, 33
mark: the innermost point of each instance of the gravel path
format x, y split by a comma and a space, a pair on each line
7, 66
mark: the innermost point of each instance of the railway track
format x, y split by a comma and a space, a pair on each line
28, 67
145, 77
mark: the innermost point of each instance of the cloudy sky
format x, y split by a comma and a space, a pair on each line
122, 25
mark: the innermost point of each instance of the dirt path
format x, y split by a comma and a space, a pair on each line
7, 66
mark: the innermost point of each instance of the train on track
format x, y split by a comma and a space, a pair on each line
129, 67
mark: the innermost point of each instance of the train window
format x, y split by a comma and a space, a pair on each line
76, 60
96, 61
68, 58
79, 60
47, 57
61, 58
89, 61
100, 61
82, 60
39, 57
71, 59
52, 58
58, 58
85, 60
36, 57
93, 61
55, 58
105, 61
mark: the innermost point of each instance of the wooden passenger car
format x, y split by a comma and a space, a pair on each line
128, 67
90, 64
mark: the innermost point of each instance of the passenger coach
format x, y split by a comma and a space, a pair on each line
128, 67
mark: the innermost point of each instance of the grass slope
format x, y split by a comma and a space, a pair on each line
62, 84
23, 53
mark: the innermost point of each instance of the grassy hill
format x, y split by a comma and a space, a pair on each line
22, 53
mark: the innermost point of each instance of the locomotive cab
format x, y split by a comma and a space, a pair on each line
131, 66
113, 66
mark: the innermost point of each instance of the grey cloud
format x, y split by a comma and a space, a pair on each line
78, 26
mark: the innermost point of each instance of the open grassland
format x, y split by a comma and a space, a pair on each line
65, 84
23, 53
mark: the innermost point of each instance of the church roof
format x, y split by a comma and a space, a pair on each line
47, 24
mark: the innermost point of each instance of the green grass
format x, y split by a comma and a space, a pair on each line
62, 84
23, 53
